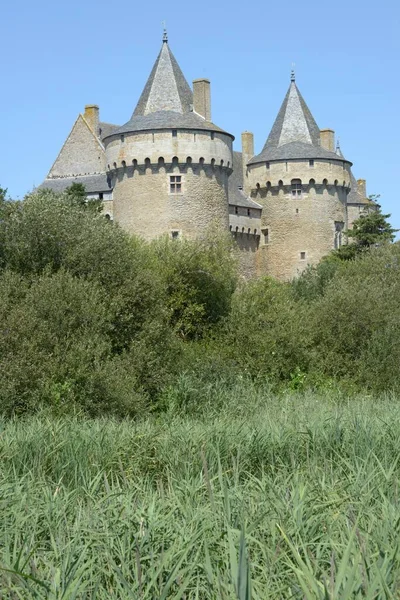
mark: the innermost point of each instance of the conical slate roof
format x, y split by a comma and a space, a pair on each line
295, 134
166, 88
166, 101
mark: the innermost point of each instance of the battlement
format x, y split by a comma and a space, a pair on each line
170, 146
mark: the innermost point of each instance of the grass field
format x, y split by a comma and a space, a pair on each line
289, 497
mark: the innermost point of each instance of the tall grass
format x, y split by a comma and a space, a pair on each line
293, 497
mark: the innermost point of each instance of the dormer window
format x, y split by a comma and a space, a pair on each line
296, 188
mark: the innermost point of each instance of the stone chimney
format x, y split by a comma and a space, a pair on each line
202, 98
92, 117
247, 155
328, 139
362, 187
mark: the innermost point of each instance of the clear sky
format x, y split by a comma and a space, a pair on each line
59, 56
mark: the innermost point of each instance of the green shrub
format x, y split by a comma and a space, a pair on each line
198, 278
357, 317
266, 331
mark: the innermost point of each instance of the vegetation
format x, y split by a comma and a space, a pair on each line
170, 431
272, 497
371, 229
96, 320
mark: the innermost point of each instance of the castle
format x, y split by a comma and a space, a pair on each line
171, 170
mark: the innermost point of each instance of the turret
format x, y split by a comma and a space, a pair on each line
169, 164
302, 184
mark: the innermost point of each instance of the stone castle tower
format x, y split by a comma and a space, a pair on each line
170, 170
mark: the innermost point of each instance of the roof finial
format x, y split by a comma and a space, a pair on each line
165, 35
293, 74
338, 150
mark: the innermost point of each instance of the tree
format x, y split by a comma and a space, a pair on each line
77, 194
370, 230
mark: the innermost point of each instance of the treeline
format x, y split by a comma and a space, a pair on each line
95, 320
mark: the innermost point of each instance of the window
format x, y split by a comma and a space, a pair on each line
212, 135
265, 233
302, 256
174, 133
122, 138
267, 165
101, 196
174, 235
339, 226
311, 162
175, 184
248, 212
296, 187
236, 210
297, 211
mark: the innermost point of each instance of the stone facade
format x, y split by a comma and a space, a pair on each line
171, 170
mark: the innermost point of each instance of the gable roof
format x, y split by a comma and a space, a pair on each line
81, 154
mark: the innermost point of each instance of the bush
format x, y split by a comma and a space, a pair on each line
198, 278
357, 318
266, 332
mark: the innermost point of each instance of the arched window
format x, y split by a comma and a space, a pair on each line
296, 187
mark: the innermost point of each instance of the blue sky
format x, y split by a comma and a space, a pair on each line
59, 56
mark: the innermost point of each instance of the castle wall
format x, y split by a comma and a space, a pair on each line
248, 246
144, 205
299, 230
141, 165
140, 146
354, 212
285, 171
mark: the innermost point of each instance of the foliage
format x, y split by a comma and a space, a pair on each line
371, 229
199, 278
76, 193
96, 320
359, 310
295, 497
265, 332
314, 279
55, 346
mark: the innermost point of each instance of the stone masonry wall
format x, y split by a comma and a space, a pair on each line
299, 230
140, 146
248, 246
144, 205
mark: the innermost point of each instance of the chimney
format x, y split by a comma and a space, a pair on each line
202, 98
362, 187
92, 117
247, 155
328, 139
